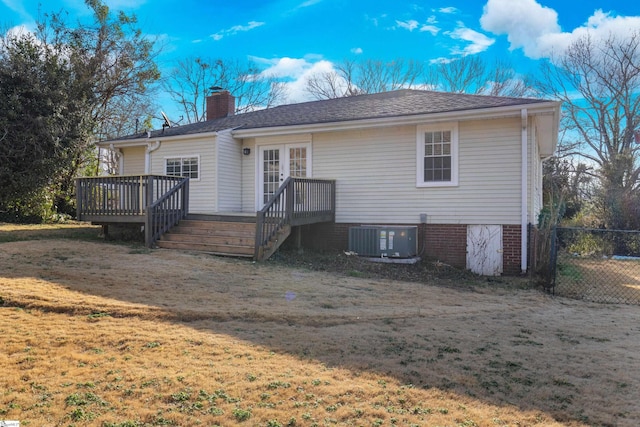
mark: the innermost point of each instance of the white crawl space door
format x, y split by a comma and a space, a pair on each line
484, 249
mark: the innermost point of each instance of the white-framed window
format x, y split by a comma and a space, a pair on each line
188, 167
437, 155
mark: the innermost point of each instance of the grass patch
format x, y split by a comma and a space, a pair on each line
70, 230
106, 337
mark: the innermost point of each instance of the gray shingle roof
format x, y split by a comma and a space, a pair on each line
406, 102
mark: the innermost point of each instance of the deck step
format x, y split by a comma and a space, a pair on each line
232, 238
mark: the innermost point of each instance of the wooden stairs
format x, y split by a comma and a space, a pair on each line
218, 234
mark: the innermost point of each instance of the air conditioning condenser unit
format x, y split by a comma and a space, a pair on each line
384, 241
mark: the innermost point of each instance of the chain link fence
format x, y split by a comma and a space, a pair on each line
595, 265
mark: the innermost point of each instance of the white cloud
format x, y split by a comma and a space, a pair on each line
408, 25
250, 26
442, 60
309, 3
523, 21
291, 68
412, 24
296, 89
18, 7
448, 10
430, 28
124, 4
357, 50
20, 30
294, 72
534, 28
477, 42
236, 29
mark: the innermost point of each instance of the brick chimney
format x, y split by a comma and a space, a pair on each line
220, 104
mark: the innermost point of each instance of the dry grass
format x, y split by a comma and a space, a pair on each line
113, 335
599, 279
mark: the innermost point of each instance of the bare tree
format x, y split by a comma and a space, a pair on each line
369, 76
128, 115
194, 78
327, 85
599, 84
503, 80
470, 74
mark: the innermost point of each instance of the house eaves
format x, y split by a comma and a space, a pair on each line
141, 142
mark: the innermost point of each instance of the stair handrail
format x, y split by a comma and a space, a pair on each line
166, 212
274, 216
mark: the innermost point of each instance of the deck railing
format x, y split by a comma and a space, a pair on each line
298, 201
156, 201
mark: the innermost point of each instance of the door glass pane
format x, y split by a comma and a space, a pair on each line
298, 169
298, 162
271, 166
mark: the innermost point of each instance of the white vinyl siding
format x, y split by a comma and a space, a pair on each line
229, 176
375, 172
202, 194
535, 177
133, 160
249, 168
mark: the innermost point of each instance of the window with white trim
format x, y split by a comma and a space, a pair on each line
437, 155
188, 167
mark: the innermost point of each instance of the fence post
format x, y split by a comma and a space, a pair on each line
79, 199
553, 255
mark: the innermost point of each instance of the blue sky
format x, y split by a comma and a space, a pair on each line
294, 38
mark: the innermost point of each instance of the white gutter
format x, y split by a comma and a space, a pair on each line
524, 193
141, 142
151, 147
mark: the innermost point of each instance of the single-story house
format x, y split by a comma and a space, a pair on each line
465, 170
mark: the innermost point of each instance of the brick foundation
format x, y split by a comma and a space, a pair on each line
511, 239
446, 243
443, 242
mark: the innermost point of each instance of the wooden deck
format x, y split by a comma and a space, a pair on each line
160, 203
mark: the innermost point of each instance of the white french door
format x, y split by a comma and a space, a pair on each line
278, 162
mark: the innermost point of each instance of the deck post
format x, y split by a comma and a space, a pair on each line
298, 238
149, 200
259, 225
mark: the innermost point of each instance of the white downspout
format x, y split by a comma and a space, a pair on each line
524, 192
147, 156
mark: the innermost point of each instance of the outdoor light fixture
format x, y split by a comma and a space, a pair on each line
246, 151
